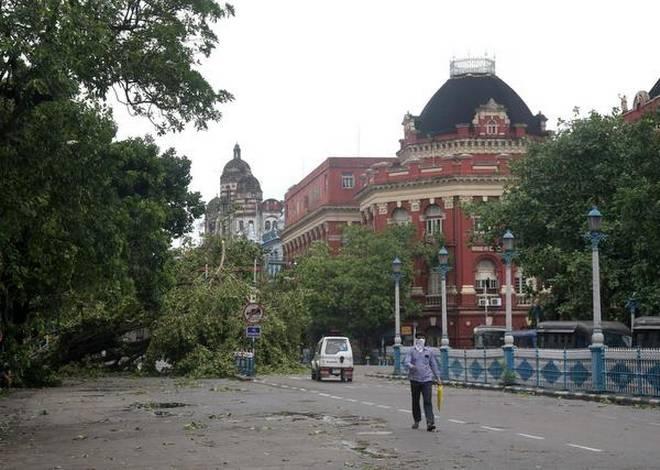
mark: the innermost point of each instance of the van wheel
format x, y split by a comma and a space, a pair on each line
349, 380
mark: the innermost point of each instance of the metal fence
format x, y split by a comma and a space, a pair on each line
476, 365
632, 371
553, 368
624, 371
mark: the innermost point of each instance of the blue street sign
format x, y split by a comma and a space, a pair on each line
253, 331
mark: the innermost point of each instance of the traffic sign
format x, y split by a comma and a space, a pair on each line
253, 331
253, 313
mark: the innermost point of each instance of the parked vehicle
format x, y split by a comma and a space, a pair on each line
492, 337
524, 338
333, 357
646, 332
577, 334
488, 337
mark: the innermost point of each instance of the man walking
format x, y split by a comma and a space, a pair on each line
422, 368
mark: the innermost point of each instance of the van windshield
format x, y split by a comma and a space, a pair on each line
333, 346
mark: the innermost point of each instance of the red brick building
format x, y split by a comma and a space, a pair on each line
322, 203
645, 102
456, 151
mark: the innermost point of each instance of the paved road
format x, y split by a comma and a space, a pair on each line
488, 429
293, 422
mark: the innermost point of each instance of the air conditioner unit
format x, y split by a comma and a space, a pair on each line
495, 302
483, 301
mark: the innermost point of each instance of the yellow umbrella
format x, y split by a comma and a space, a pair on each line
439, 393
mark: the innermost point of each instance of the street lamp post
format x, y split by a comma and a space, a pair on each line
396, 273
595, 236
508, 254
443, 269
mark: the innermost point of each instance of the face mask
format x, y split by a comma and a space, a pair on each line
419, 344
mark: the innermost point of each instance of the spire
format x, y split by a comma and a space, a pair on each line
237, 152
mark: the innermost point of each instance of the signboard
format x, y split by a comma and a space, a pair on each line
253, 331
406, 330
253, 313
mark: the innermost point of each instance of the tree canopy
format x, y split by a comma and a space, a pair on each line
353, 292
593, 161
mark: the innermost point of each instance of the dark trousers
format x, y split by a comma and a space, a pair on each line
423, 388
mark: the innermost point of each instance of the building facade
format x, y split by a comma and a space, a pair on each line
239, 209
324, 202
455, 153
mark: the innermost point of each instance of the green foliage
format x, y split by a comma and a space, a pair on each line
602, 161
202, 326
146, 52
353, 292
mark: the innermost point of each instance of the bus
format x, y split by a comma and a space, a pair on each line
577, 334
491, 337
646, 332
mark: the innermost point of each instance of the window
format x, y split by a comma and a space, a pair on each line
485, 277
267, 226
240, 225
434, 216
347, 180
477, 224
491, 128
400, 216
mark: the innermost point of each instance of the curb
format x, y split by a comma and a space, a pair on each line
596, 397
244, 378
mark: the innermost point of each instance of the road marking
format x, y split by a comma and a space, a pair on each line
654, 424
336, 397
584, 447
608, 417
302, 389
284, 386
353, 400
374, 433
457, 421
530, 436
384, 406
489, 428
367, 403
274, 385
324, 394
404, 411
295, 378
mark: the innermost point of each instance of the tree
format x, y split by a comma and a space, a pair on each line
602, 161
144, 51
353, 292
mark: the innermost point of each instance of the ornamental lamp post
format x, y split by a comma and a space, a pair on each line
509, 253
596, 236
443, 269
396, 273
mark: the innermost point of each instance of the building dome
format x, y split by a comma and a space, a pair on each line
456, 101
214, 205
655, 91
236, 168
248, 184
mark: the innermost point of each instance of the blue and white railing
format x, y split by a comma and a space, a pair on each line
621, 371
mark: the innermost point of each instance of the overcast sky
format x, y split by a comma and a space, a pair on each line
317, 79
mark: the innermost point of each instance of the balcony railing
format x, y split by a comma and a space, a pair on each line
433, 300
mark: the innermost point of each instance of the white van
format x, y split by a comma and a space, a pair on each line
333, 357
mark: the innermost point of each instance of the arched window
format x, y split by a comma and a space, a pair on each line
485, 278
491, 127
267, 225
433, 216
400, 216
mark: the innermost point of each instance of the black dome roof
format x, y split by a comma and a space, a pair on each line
655, 91
235, 169
457, 100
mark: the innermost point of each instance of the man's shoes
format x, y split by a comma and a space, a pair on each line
415, 425
430, 427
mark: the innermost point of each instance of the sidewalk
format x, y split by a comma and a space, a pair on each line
386, 373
